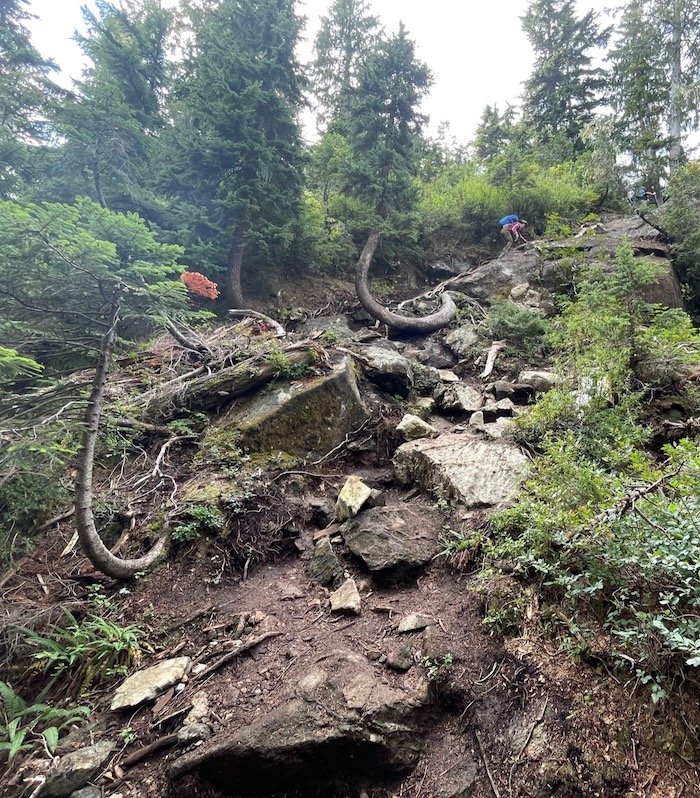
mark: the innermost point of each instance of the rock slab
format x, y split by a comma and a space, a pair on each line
73, 771
352, 496
147, 684
394, 537
463, 468
336, 723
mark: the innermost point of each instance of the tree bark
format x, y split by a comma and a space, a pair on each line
96, 551
234, 292
675, 111
426, 324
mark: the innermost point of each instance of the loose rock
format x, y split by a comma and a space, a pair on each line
324, 567
413, 427
346, 598
353, 495
394, 537
149, 683
413, 623
76, 769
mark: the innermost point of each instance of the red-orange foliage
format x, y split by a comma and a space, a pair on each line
199, 284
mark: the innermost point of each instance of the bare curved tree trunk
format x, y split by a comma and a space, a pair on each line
234, 292
98, 554
426, 324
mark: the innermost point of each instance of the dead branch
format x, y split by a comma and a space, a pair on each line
491, 356
147, 750
628, 501
231, 655
188, 339
280, 332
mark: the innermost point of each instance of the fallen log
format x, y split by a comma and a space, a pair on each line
210, 391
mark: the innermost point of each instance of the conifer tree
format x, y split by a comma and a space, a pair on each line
346, 36
111, 123
564, 88
25, 91
236, 154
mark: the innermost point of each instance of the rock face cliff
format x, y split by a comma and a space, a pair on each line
328, 635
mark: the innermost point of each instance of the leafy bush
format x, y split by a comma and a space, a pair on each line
585, 524
525, 329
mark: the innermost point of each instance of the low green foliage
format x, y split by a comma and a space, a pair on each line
629, 563
203, 520
91, 650
25, 726
524, 329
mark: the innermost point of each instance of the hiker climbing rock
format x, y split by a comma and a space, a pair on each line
511, 229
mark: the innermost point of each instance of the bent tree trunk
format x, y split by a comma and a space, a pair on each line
96, 551
425, 324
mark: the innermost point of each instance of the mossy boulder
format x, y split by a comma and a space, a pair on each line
300, 419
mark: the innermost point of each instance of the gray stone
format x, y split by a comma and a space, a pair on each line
352, 496
337, 723
493, 410
87, 792
324, 566
447, 375
193, 733
412, 427
394, 537
425, 379
346, 599
400, 659
464, 340
149, 683
540, 380
387, 369
460, 397
332, 328
463, 468
413, 622
477, 419
200, 709
301, 418
76, 769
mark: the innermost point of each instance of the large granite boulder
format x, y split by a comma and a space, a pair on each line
338, 723
463, 468
302, 418
394, 537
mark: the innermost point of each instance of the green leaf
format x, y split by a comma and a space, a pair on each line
50, 736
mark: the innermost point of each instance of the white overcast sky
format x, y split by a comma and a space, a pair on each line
476, 50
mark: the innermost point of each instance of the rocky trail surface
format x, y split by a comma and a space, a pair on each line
329, 640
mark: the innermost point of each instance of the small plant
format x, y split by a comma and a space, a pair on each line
24, 726
204, 519
92, 650
523, 328
437, 667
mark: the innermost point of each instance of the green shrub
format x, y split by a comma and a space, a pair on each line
525, 329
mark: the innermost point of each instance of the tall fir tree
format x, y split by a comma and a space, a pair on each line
111, 122
346, 36
26, 89
384, 127
640, 94
564, 88
235, 157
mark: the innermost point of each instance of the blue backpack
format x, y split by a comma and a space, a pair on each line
508, 220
